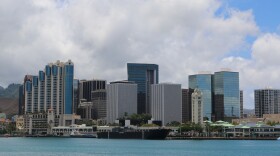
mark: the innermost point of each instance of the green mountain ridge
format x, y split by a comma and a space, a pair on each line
12, 91
1, 89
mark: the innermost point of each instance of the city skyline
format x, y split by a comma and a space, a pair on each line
182, 37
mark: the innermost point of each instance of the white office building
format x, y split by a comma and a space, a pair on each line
166, 102
121, 100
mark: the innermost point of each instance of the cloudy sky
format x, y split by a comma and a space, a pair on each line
182, 36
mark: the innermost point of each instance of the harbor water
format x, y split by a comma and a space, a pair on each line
89, 146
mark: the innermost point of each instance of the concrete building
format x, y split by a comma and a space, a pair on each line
267, 118
85, 110
197, 107
99, 103
121, 100
166, 102
42, 123
186, 106
267, 101
241, 104
86, 87
27, 94
144, 75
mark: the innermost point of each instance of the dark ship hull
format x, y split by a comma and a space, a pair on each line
153, 134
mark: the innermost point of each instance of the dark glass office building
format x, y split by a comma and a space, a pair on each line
204, 83
21, 100
143, 75
76, 95
88, 86
226, 104
186, 105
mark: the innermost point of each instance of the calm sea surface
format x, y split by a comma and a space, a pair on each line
89, 146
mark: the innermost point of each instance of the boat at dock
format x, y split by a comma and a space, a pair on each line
77, 134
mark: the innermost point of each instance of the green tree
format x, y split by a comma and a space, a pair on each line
271, 123
191, 127
10, 127
149, 125
173, 124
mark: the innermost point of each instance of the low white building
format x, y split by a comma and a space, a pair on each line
42, 123
166, 102
71, 130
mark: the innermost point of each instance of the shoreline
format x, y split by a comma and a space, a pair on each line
167, 138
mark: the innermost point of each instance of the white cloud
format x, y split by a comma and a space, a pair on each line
183, 37
266, 50
262, 70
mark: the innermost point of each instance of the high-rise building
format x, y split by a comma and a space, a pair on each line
197, 107
121, 100
52, 89
41, 92
34, 90
166, 102
241, 103
99, 103
143, 75
86, 87
85, 110
28, 94
267, 101
68, 78
21, 100
76, 95
186, 106
203, 82
226, 104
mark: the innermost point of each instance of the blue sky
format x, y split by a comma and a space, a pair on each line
267, 18
266, 12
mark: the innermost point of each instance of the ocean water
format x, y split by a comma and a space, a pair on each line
100, 147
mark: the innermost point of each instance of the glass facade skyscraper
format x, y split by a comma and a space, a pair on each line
76, 95
203, 82
68, 73
226, 95
88, 86
186, 105
21, 100
143, 75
